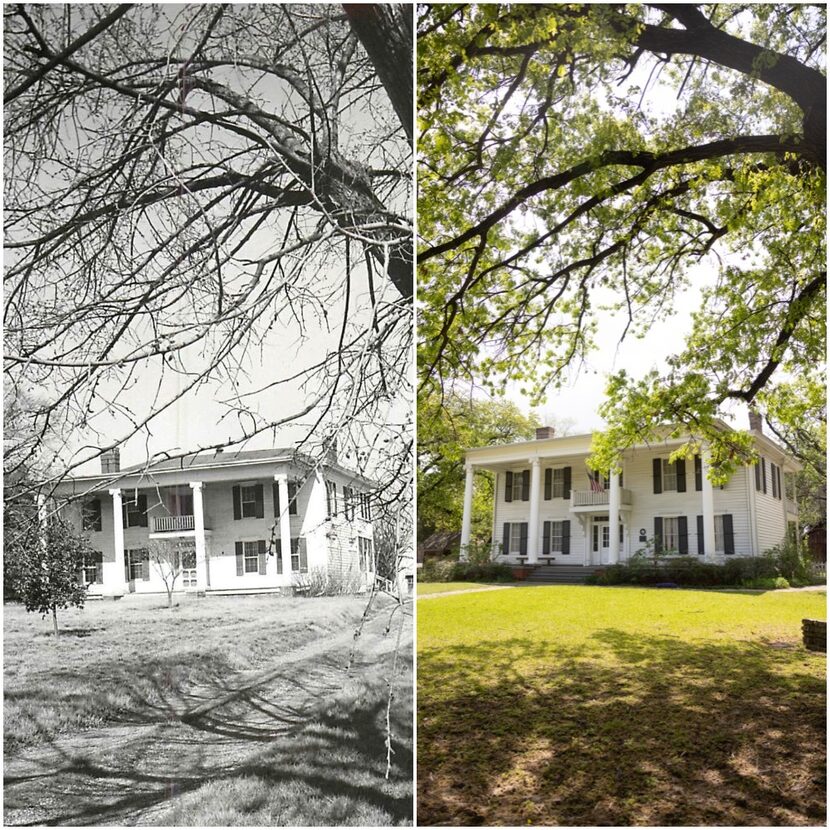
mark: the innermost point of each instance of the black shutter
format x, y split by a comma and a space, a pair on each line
566, 483
126, 566
240, 556
657, 474
780, 491
259, 512
508, 486
658, 534
278, 549
728, 534
124, 513
546, 538
237, 504
548, 483
525, 485
261, 554
698, 474
275, 490
292, 500
566, 537
758, 475
680, 466
523, 538
596, 538
97, 521
145, 565
301, 549
764, 474
700, 550
683, 535
774, 470
505, 539
141, 504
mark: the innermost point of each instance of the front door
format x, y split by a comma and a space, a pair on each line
603, 531
189, 569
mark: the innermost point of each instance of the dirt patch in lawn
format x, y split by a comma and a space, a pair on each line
227, 731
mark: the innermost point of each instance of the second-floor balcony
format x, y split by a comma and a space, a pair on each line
173, 524
583, 500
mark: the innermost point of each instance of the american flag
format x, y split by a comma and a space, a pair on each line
596, 482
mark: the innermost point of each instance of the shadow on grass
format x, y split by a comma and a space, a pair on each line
644, 730
303, 729
69, 632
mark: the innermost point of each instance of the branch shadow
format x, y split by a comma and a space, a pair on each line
305, 727
639, 730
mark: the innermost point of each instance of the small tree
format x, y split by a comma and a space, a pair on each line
167, 557
46, 569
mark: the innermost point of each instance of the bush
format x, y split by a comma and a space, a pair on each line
790, 562
451, 570
320, 582
742, 571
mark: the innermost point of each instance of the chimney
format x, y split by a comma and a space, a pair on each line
756, 422
544, 432
111, 461
331, 451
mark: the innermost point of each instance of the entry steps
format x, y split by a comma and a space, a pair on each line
559, 574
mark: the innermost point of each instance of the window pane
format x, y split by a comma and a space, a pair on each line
669, 475
719, 546
515, 537
558, 483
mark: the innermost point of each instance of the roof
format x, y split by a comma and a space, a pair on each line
441, 540
204, 459
213, 460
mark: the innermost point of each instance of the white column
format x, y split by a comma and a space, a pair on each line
467, 518
614, 518
707, 509
199, 526
285, 527
119, 582
533, 520
42, 519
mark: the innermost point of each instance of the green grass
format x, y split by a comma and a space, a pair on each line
444, 587
583, 706
93, 733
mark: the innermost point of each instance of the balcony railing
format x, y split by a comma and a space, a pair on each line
589, 498
169, 524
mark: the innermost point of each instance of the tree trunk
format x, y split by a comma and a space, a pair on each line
170, 598
385, 30
55, 620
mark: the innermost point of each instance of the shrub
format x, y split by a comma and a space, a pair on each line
437, 570
320, 582
790, 562
481, 572
691, 572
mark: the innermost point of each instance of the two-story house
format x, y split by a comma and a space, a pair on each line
550, 508
236, 522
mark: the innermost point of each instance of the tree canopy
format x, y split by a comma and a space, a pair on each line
445, 433
185, 183
581, 155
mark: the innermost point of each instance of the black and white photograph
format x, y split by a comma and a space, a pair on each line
208, 400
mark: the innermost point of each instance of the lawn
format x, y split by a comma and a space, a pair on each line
589, 706
444, 587
224, 711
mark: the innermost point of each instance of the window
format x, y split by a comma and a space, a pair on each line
719, 545
91, 568
556, 535
515, 538
348, 502
250, 557
559, 483
331, 498
135, 511
517, 486
299, 556
365, 507
137, 564
250, 552
671, 534
91, 515
669, 475
364, 547
247, 497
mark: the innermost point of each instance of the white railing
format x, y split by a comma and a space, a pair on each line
168, 524
589, 498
